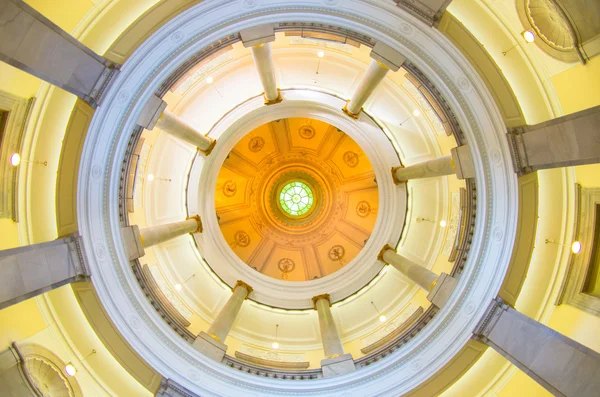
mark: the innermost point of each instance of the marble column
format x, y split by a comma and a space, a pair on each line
175, 126
384, 60
458, 163
559, 364
29, 271
439, 287
32, 43
155, 114
565, 141
259, 39
135, 240
335, 362
211, 342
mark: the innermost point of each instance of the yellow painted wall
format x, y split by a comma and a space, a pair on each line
10, 234
19, 322
578, 88
65, 13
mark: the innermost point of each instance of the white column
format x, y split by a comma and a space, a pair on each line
332, 344
263, 58
220, 328
335, 362
211, 343
29, 271
161, 233
559, 364
384, 60
173, 125
370, 81
424, 278
439, 288
34, 44
437, 167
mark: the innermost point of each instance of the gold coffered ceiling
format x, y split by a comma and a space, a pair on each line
338, 177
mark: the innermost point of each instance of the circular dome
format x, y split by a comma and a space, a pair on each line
296, 199
47, 379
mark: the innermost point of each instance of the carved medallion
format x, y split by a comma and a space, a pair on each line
256, 144
363, 209
286, 265
306, 132
229, 188
241, 239
337, 252
351, 159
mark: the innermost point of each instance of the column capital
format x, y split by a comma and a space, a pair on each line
385, 248
315, 299
487, 322
210, 148
349, 113
240, 283
274, 101
198, 222
396, 180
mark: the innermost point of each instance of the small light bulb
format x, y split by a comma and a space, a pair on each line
150, 177
209, 80
321, 54
70, 369
275, 345
382, 318
178, 287
416, 112
576, 247
15, 159
443, 223
528, 36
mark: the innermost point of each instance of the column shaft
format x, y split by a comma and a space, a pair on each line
32, 43
370, 81
180, 129
161, 233
437, 167
222, 325
332, 344
424, 278
559, 364
34, 269
263, 58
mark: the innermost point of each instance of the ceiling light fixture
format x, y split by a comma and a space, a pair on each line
275, 344
415, 113
209, 80
575, 246
382, 318
320, 54
179, 287
70, 368
15, 160
528, 36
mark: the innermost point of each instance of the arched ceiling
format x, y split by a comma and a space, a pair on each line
343, 199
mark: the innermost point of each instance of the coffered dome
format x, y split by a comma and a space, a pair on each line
296, 199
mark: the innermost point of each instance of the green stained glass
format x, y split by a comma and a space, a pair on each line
296, 198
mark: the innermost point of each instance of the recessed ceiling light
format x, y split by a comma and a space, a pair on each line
528, 36
382, 318
443, 223
70, 369
15, 159
209, 80
275, 345
416, 112
178, 287
576, 247
150, 177
321, 54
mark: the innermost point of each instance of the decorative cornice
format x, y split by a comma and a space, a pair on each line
315, 299
496, 307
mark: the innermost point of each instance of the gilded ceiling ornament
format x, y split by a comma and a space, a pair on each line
337, 252
241, 239
351, 159
363, 209
306, 132
256, 144
286, 265
229, 188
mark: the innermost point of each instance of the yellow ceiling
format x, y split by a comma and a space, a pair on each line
345, 199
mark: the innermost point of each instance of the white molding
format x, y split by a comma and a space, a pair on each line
169, 47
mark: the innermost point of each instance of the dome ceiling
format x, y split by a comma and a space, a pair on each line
296, 199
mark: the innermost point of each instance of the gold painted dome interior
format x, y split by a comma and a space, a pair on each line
296, 199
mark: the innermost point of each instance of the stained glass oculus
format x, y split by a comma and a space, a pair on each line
296, 198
